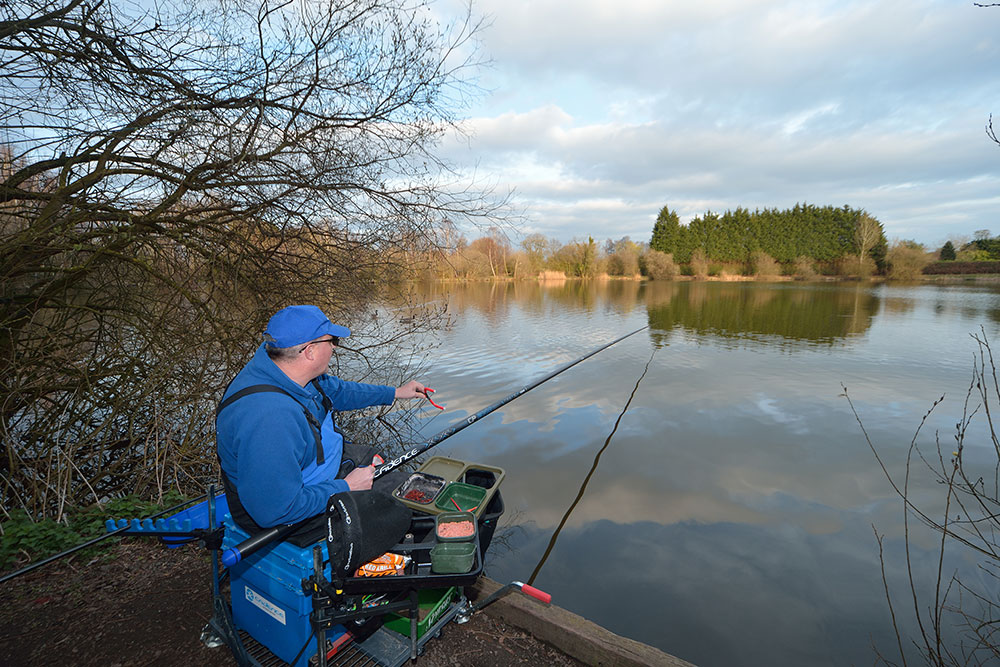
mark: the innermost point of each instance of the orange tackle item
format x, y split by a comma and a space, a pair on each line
387, 564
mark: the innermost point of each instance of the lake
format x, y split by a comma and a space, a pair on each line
731, 518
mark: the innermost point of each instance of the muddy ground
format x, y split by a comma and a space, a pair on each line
143, 604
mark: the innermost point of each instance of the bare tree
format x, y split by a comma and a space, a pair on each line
174, 172
957, 619
867, 233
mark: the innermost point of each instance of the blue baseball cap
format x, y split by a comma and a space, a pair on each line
295, 325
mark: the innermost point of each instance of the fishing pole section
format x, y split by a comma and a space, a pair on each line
235, 554
469, 421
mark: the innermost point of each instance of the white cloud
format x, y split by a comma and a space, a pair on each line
878, 105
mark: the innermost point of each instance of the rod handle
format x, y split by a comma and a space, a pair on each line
539, 595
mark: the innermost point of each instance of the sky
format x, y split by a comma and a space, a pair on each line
597, 113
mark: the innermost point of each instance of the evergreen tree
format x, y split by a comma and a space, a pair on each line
820, 233
666, 231
947, 252
987, 245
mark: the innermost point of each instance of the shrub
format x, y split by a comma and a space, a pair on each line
972, 255
624, 262
699, 264
906, 260
848, 266
804, 268
763, 266
660, 265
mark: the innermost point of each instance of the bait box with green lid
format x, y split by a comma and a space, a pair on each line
451, 470
452, 557
447, 518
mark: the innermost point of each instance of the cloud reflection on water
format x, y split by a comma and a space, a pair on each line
739, 472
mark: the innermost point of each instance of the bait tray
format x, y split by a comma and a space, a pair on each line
428, 485
453, 470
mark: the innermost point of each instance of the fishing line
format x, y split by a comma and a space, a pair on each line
593, 468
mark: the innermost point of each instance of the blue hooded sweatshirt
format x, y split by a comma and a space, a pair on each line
265, 441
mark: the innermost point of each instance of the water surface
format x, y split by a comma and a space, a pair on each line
730, 519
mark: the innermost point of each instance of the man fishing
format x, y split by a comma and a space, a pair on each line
282, 454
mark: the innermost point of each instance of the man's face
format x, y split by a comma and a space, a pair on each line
320, 351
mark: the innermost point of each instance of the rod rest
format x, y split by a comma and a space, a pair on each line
172, 532
148, 526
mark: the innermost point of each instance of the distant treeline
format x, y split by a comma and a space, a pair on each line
820, 233
804, 242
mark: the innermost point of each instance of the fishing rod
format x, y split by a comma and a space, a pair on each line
235, 554
469, 421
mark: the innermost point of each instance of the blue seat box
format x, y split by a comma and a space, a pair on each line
267, 597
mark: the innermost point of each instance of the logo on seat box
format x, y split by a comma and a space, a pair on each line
265, 605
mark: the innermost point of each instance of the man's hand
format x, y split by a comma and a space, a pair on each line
411, 389
360, 479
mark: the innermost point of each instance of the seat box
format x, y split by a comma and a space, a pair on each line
267, 597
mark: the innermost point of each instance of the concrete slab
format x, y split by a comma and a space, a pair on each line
570, 633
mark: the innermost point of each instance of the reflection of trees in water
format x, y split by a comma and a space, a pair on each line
589, 295
896, 305
493, 299
659, 293
804, 313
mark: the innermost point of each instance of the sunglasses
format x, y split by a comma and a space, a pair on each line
335, 341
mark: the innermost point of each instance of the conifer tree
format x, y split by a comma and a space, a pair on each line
666, 231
